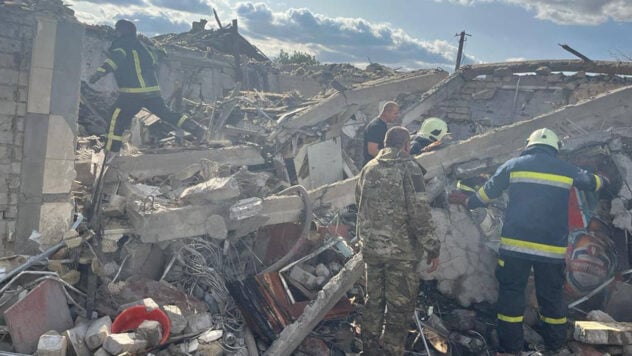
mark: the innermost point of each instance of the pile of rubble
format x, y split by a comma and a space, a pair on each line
243, 242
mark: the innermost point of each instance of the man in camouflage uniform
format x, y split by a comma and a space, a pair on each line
395, 229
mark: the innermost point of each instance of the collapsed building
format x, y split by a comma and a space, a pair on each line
245, 242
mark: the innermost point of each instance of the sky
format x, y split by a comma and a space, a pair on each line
407, 34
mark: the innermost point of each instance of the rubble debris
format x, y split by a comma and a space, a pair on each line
178, 321
52, 344
43, 309
76, 339
117, 344
603, 333
97, 332
151, 331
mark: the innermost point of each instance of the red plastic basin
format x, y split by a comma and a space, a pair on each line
132, 317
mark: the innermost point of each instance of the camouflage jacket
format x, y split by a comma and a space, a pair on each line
394, 220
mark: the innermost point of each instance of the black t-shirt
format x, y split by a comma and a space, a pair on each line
418, 144
374, 132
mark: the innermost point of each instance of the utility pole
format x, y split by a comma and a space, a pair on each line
235, 38
459, 55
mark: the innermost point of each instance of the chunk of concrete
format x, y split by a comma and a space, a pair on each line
76, 339
178, 321
618, 301
210, 335
600, 333
101, 352
125, 342
44, 308
213, 190
199, 322
143, 259
52, 344
151, 331
149, 304
97, 332
598, 315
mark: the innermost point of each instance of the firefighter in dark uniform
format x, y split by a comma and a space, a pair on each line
134, 68
429, 136
534, 235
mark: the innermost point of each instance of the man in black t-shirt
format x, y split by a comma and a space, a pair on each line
375, 131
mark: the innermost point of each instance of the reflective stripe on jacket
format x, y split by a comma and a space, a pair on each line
536, 219
133, 65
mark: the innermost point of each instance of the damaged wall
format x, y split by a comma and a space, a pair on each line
503, 97
39, 99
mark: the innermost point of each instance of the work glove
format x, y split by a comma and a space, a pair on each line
95, 77
458, 197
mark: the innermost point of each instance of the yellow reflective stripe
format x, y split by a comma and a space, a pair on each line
482, 195
541, 178
101, 69
554, 321
461, 186
598, 182
501, 263
111, 63
120, 50
139, 73
140, 90
151, 54
115, 114
183, 118
532, 248
510, 319
115, 137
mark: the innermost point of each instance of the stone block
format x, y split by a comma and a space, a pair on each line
600, 333
101, 352
61, 138
199, 322
97, 332
52, 344
178, 321
55, 219
210, 335
10, 45
58, 176
146, 260
40, 84
8, 77
151, 331
76, 339
149, 304
43, 52
126, 342
598, 315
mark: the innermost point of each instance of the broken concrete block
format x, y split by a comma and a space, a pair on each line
599, 333
598, 315
146, 260
101, 352
618, 301
305, 278
115, 206
149, 304
151, 331
213, 190
76, 338
199, 322
52, 344
210, 335
126, 342
44, 308
97, 332
213, 349
322, 270
178, 321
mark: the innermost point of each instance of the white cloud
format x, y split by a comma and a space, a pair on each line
569, 12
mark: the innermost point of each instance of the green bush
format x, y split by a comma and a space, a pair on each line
297, 57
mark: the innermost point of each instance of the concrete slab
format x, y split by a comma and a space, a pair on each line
55, 220
599, 333
44, 308
170, 162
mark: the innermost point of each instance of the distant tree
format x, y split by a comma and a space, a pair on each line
297, 57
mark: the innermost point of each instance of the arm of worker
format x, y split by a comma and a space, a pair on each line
588, 181
420, 224
373, 148
492, 189
111, 63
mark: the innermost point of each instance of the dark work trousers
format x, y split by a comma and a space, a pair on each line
126, 106
512, 274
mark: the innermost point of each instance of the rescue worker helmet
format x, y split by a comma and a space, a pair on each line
433, 128
125, 27
544, 137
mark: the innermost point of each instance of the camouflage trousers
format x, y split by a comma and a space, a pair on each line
394, 285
